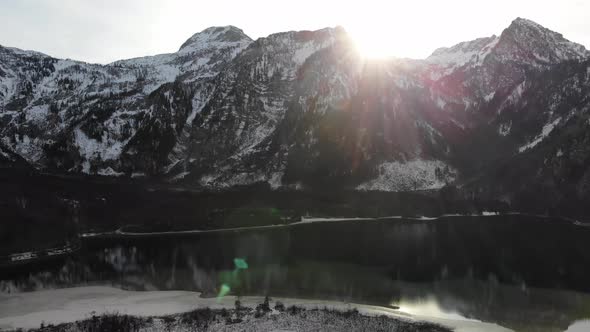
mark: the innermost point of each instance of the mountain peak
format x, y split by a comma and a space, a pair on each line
524, 41
530, 29
221, 35
519, 21
529, 42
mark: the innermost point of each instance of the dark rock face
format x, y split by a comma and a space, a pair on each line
302, 109
9, 159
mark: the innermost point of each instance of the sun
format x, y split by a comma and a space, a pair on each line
383, 39
372, 45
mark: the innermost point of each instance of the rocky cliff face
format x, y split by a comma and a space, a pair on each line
117, 119
299, 109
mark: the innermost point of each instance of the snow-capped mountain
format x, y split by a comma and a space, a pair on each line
524, 42
78, 117
304, 109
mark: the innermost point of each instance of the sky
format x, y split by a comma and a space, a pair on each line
103, 31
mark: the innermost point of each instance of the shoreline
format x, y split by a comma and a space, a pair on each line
30, 310
120, 233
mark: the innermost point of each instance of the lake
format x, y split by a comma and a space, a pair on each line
521, 272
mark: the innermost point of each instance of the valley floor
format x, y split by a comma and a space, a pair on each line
181, 310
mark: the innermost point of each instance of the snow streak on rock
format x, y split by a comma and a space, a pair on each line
547, 129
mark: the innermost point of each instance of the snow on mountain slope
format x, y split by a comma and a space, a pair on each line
523, 41
410, 176
528, 42
250, 99
55, 109
547, 129
201, 56
475, 81
293, 107
466, 53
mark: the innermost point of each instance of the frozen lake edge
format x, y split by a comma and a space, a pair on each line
30, 310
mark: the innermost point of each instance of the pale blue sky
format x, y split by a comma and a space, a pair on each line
107, 30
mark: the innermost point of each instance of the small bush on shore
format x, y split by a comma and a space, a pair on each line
279, 306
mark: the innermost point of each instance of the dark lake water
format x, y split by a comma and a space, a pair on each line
523, 273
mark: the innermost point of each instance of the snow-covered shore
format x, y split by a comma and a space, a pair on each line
30, 310
312, 220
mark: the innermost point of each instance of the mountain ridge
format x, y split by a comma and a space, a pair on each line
298, 109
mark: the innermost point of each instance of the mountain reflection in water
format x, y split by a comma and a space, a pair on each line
506, 270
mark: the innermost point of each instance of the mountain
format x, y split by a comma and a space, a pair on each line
71, 116
503, 117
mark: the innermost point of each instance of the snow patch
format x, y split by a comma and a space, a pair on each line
180, 176
547, 129
505, 128
228, 180
29, 148
37, 114
109, 172
198, 102
579, 326
310, 220
91, 149
440, 103
489, 213
275, 181
412, 175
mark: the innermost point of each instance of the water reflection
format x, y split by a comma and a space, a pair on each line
510, 272
514, 307
428, 306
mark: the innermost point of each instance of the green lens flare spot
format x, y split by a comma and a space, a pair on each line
223, 291
240, 263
